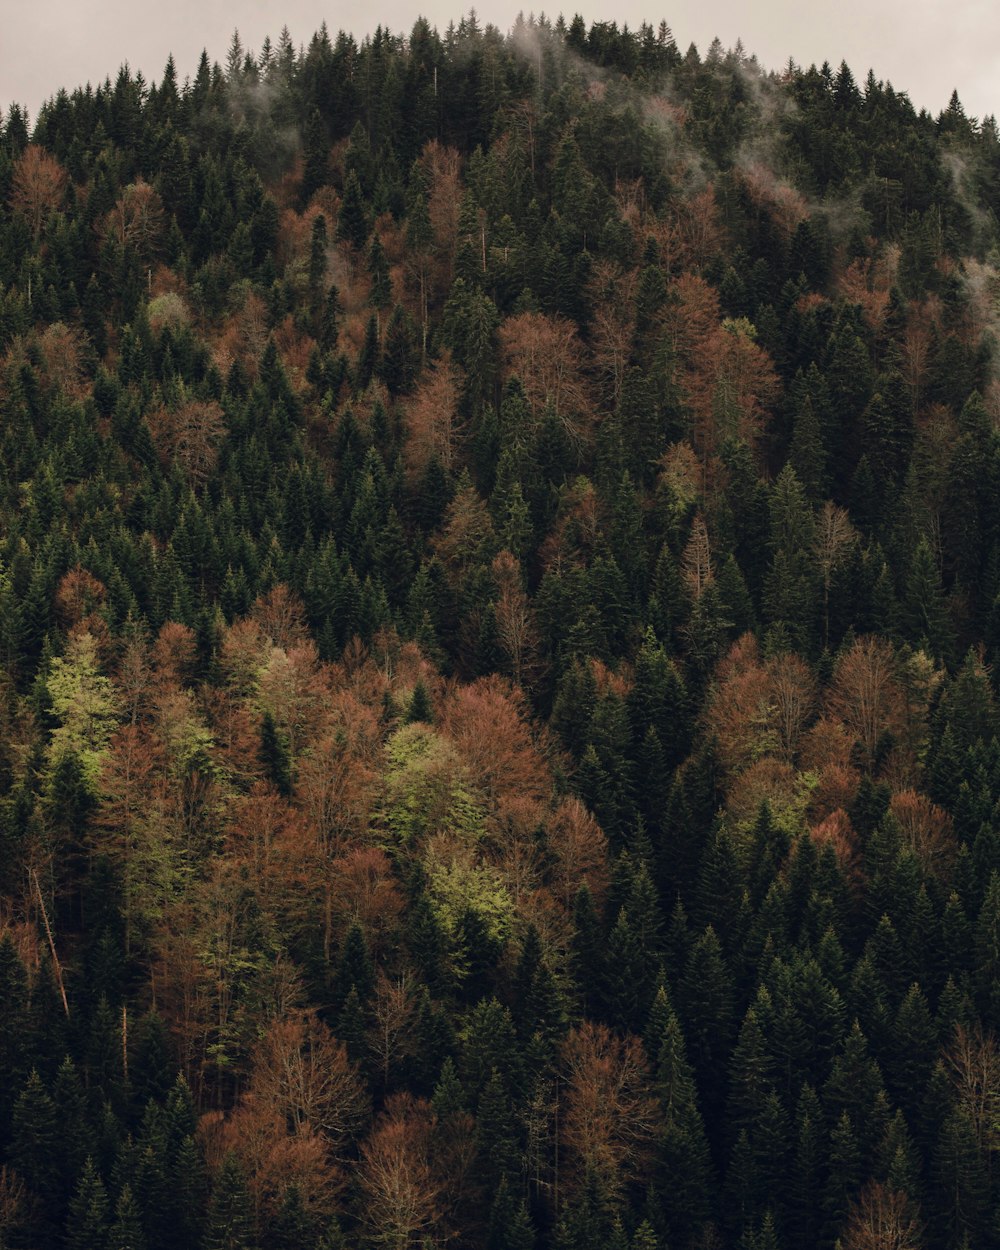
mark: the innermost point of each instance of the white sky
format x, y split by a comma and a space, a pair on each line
923, 47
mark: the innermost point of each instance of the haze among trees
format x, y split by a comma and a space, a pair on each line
499, 623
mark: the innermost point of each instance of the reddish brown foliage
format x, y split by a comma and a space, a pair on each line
700, 231
729, 389
62, 348
837, 831
786, 206
78, 598
302, 1071
489, 725
883, 1219
867, 283
696, 563
403, 1191
756, 709
737, 711
925, 828
281, 618
175, 653
794, 695
432, 417
266, 837
865, 694
610, 1117
189, 434
244, 336
304, 1105
443, 166
767, 780
364, 891
516, 630
337, 778
580, 849
136, 221
38, 186
546, 354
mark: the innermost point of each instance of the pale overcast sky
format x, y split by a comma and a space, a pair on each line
922, 46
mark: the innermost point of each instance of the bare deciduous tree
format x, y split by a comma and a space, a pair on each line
38, 186
973, 1061
403, 1193
609, 1118
865, 693
882, 1219
696, 563
136, 221
835, 536
303, 1071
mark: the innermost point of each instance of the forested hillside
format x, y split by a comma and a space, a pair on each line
499, 626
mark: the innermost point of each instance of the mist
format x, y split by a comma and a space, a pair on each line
922, 47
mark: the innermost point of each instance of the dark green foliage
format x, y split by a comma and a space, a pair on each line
510, 1225
274, 755
87, 1222
229, 1224
352, 224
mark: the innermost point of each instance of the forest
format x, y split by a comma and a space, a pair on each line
499, 640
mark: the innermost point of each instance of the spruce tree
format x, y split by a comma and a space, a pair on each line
229, 1224
87, 1221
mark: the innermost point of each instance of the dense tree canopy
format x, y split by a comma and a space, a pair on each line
499, 622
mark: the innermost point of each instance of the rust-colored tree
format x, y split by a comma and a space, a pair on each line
432, 418
973, 1063
883, 1219
837, 831
443, 167
926, 829
488, 723
692, 317
865, 693
364, 891
730, 385
701, 233
392, 1035
302, 1071
174, 654
189, 434
516, 629
78, 599
402, 1189
136, 221
610, 1118
278, 1144
38, 186
63, 348
265, 836
612, 325
867, 283
580, 849
794, 698
281, 617
738, 710
546, 354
